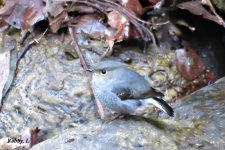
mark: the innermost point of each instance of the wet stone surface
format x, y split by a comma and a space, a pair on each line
198, 124
51, 91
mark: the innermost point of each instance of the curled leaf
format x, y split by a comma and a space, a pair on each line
188, 63
196, 8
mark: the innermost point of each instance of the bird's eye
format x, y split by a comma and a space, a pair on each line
103, 71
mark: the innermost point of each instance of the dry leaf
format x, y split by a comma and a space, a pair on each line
22, 14
188, 63
90, 25
125, 30
55, 23
53, 8
196, 8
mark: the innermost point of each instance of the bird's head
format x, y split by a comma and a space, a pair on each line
106, 71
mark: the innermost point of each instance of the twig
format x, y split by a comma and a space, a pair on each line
145, 33
13, 66
24, 37
84, 64
28, 46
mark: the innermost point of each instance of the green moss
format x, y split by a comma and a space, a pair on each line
1, 3
181, 132
220, 4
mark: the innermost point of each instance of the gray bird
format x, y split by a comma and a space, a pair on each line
124, 90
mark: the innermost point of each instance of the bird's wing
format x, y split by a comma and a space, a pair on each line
122, 92
153, 93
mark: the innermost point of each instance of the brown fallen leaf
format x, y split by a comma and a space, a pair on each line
53, 7
153, 1
120, 23
133, 6
185, 24
188, 63
90, 25
22, 14
210, 5
210, 76
3, 25
125, 30
30, 17
196, 8
56, 23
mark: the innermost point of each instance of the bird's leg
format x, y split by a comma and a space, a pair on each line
116, 116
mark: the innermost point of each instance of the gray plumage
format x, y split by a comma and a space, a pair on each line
124, 90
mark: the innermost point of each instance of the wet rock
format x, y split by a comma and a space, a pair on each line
119, 134
198, 124
49, 91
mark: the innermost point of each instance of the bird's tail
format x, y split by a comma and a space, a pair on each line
138, 107
160, 103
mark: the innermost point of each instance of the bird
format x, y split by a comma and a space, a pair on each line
124, 90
